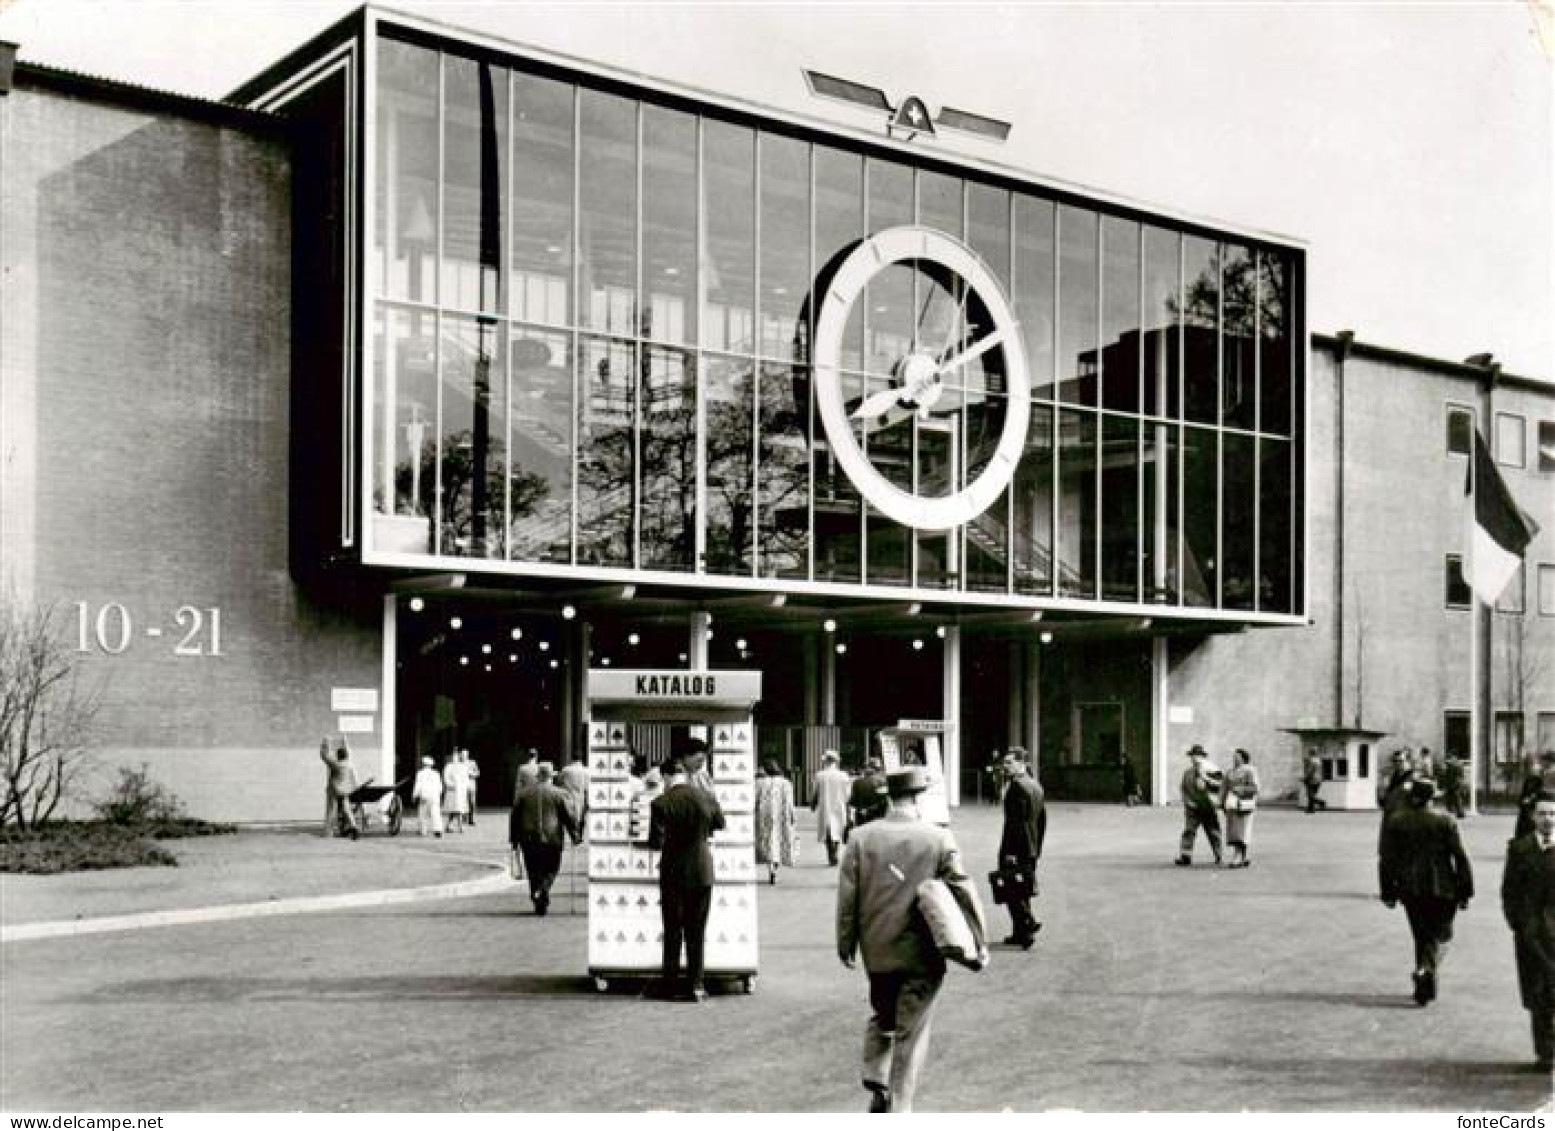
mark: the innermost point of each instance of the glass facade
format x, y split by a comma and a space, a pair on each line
591, 314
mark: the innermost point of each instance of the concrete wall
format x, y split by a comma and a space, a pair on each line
145, 347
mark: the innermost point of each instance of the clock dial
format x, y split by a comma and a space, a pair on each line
950, 381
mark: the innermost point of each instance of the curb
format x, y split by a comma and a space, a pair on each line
28, 931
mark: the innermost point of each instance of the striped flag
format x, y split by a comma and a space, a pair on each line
1499, 530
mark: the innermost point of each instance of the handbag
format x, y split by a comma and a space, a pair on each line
1012, 883
953, 935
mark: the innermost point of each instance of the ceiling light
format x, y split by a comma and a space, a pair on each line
917, 645
568, 612
940, 632
633, 639
455, 622
417, 604
517, 634
545, 645
486, 649
829, 625
841, 648
1046, 638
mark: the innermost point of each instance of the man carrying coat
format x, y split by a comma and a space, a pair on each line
877, 892
542, 815
680, 822
1528, 901
1025, 827
1421, 863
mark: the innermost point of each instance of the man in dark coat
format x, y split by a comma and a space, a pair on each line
1393, 790
680, 822
1025, 827
1200, 792
542, 815
1540, 779
1528, 901
867, 800
1421, 863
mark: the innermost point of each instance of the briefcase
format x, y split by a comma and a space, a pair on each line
1010, 882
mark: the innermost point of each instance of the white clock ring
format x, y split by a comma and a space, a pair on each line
919, 376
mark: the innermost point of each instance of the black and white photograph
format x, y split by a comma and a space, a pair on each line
746, 558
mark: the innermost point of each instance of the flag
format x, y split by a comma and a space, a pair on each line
1499, 531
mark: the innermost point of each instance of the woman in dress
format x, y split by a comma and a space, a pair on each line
776, 820
1240, 801
456, 791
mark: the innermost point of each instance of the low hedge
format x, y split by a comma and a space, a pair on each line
84, 846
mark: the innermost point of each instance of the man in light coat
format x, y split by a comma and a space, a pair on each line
427, 793
877, 891
832, 786
1528, 902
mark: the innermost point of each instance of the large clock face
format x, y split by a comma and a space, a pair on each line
928, 418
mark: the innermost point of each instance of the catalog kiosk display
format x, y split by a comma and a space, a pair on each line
921, 744
626, 932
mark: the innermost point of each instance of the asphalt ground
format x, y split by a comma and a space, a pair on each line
1282, 987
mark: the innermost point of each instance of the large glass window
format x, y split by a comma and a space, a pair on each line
1200, 331
669, 257
1239, 521
1120, 512
1033, 489
1078, 282
607, 215
891, 328
406, 208
475, 167
1076, 504
1277, 527
1162, 520
542, 166
1033, 286
785, 247
1162, 318
1276, 408
728, 388
472, 480
783, 471
405, 430
667, 410
607, 456
1239, 373
1200, 560
729, 252
540, 439
1120, 315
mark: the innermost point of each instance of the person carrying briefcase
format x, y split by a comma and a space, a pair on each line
1025, 827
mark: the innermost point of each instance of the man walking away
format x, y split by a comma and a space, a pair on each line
832, 787
680, 822
867, 799
1312, 778
1528, 902
542, 816
1421, 863
1025, 827
1200, 789
877, 916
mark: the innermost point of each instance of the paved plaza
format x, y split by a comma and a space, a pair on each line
1283, 987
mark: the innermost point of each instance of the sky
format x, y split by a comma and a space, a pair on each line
1409, 146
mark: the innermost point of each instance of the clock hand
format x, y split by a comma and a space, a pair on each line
975, 351
876, 403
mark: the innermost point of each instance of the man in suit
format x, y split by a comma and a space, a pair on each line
542, 815
680, 822
832, 788
1421, 863
1540, 779
1200, 791
877, 891
1393, 790
1312, 779
1528, 902
867, 796
1025, 827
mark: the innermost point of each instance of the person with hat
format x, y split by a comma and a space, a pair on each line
1200, 791
867, 799
1540, 780
1528, 902
877, 888
541, 818
1421, 863
1393, 790
338, 786
681, 820
832, 788
1020, 844
427, 793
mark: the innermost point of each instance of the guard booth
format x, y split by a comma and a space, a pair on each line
626, 934
1349, 757
919, 742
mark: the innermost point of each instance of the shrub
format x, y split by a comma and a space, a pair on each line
74, 846
137, 800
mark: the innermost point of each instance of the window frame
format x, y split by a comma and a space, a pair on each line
1522, 444
1449, 562
1454, 409
1546, 570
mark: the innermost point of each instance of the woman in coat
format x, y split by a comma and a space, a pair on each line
1240, 802
776, 820
456, 791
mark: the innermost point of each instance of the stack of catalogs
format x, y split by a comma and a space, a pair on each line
731, 927
625, 930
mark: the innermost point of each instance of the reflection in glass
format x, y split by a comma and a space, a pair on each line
475, 145
1239, 305
1033, 289
1161, 524
1078, 280
1033, 487
1239, 523
607, 190
472, 460
839, 225
1201, 322
938, 444
987, 543
888, 442
785, 247
939, 202
783, 472
667, 408
1279, 521
406, 204
404, 426
988, 229
1076, 504
542, 199
1162, 306
1120, 314
729, 256
669, 172
540, 431
607, 480
1199, 502
1120, 510
838, 507
889, 313
730, 514
1274, 351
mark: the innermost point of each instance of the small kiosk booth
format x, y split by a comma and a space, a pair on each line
919, 743
625, 928
1349, 757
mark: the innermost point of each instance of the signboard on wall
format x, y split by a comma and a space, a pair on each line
353, 699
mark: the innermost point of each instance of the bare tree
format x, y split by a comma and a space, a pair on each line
45, 714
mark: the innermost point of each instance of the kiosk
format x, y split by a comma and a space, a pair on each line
916, 742
626, 932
